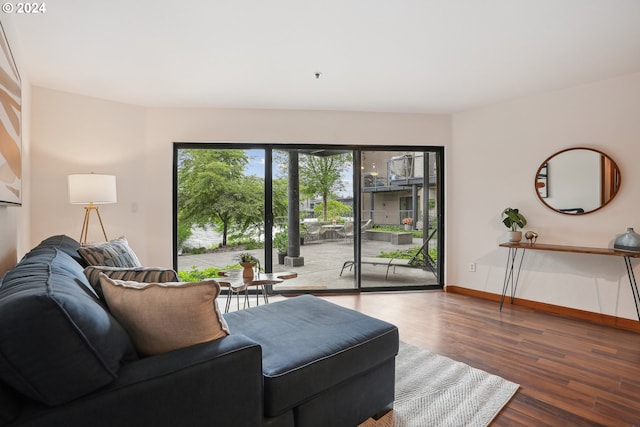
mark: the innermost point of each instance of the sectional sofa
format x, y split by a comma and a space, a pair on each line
72, 353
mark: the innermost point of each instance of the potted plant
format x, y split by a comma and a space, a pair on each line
281, 243
247, 261
513, 219
408, 222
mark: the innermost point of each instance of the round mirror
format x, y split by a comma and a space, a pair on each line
577, 181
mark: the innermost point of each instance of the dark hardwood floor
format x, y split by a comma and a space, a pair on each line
571, 372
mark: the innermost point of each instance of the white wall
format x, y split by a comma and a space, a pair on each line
73, 134
492, 155
492, 164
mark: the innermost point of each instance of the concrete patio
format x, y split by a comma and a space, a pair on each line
323, 261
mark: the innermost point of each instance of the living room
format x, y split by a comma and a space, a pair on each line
493, 151
492, 154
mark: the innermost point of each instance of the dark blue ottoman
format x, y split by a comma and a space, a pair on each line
330, 365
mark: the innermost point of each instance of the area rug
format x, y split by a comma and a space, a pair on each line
433, 390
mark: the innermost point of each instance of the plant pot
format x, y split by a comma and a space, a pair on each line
514, 236
281, 256
247, 270
407, 227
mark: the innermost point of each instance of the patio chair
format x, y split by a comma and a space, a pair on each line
347, 231
314, 230
421, 259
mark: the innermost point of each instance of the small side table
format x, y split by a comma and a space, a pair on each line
233, 280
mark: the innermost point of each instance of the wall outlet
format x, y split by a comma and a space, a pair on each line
472, 267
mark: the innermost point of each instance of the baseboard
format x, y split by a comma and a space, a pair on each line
589, 316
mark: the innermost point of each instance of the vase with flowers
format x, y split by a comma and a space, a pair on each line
408, 223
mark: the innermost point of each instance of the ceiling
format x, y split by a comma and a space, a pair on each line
416, 56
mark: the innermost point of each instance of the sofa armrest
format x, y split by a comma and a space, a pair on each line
215, 383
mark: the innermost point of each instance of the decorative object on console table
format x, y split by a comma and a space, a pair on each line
91, 190
628, 241
513, 220
11, 126
531, 237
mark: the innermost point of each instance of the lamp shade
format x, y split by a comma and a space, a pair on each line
92, 188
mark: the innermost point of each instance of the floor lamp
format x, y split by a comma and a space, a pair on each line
91, 190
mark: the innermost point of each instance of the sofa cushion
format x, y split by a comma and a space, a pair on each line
337, 344
66, 244
57, 340
115, 253
161, 317
9, 406
136, 274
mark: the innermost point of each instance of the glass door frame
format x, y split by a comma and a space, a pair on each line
357, 206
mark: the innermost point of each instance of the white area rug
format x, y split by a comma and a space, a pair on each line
433, 390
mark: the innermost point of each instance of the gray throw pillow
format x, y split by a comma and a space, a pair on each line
115, 253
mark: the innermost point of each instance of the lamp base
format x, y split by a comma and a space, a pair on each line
85, 225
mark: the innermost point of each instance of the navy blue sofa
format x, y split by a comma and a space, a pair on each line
65, 361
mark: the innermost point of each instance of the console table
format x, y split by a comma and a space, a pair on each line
511, 274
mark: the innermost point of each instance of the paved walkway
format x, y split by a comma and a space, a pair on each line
323, 261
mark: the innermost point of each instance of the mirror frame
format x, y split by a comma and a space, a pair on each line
617, 178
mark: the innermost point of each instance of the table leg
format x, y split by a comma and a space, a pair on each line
228, 304
511, 277
632, 282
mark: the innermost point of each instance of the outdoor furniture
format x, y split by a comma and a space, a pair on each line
233, 280
421, 259
313, 230
331, 231
346, 231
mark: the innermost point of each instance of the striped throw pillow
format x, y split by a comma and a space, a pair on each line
115, 253
136, 274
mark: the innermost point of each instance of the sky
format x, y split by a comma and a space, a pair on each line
255, 167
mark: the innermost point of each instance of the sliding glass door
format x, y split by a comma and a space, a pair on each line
342, 217
400, 209
319, 219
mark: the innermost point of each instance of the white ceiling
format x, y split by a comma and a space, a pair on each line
428, 56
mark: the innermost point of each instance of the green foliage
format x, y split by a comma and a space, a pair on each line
320, 176
400, 253
184, 232
335, 209
212, 189
408, 253
252, 244
281, 241
512, 219
280, 197
246, 257
195, 275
